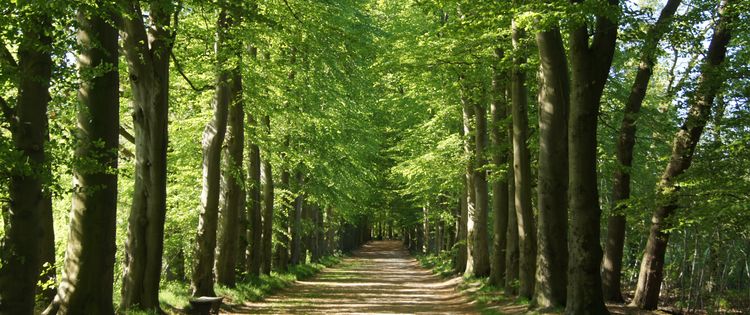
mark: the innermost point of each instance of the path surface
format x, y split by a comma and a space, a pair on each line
380, 278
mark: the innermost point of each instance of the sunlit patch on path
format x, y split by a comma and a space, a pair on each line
380, 278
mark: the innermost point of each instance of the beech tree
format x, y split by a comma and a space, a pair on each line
612, 264
88, 272
147, 51
522, 169
28, 190
683, 149
590, 60
213, 138
552, 189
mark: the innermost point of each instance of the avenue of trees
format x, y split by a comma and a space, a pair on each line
573, 153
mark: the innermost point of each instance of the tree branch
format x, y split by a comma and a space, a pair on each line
179, 69
8, 112
293, 13
127, 135
7, 56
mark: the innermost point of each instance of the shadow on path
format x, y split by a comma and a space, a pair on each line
379, 278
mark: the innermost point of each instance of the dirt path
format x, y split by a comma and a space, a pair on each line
380, 278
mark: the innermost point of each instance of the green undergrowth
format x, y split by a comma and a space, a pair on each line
478, 289
174, 297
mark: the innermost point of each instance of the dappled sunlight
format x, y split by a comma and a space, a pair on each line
380, 278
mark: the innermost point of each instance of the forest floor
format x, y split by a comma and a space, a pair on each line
383, 278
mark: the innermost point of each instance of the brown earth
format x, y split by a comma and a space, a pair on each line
382, 278
379, 278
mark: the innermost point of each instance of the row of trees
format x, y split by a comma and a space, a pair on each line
333, 121
276, 191
598, 66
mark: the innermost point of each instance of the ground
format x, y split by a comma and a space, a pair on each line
382, 278
379, 278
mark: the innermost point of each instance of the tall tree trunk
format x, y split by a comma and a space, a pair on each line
590, 61
426, 229
459, 261
213, 138
511, 248
88, 272
683, 148
481, 246
266, 176
330, 231
552, 189
147, 51
282, 246
469, 147
47, 254
317, 222
498, 132
296, 225
20, 253
233, 191
254, 206
320, 235
612, 264
522, 170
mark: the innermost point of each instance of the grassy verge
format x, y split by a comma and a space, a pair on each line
174, 297
487, 296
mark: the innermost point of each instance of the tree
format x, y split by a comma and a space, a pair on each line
266, 177
28, 193
202, 283
552, 189
499, 153
254, 206
147, 51
88, 273
481, 248
683, 148
232, 185
469, 134
590, 60
522, 168
612, 264
296, 224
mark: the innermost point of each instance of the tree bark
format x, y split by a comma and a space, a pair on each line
511, 250
213, 138
330, 231
522, 171
498, 132
683, 147
590, 62
282, 246
469, 147
481, 246
266, 176
254, 206
296, 226
29, 200
612, 263
147, 51
88, 272
459, 262
552, 189
233, 191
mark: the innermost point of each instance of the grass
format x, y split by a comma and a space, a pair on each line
174, 297
478, 289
